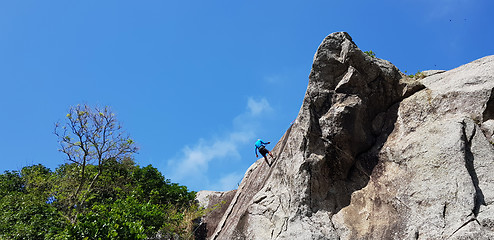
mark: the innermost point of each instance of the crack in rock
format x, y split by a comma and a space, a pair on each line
463, 225
467, 138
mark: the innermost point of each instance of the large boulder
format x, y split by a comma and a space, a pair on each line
434, 176
374, 154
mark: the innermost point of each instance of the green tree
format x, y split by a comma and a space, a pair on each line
125, 218
26, 212
100, 193
116, 182
91, 136
127, 202
153, 187
37, 180
11, 182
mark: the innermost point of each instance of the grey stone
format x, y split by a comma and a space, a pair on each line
429, 73
374, 154
215, 205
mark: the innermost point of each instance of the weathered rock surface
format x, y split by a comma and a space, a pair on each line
434, 176
374, 154
215, 204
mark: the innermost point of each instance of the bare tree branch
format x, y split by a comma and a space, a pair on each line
91, 135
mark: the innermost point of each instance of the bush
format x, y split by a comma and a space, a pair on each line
370, 53
418, 75
128, 202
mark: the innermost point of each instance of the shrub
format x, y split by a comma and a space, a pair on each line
370, 53
418, 75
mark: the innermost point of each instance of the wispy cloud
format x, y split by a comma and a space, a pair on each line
259, 106
273, 79
191, 167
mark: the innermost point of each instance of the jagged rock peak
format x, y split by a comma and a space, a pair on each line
374, 154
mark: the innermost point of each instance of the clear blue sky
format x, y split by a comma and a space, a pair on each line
195, 83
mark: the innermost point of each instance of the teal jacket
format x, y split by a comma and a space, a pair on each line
259, 144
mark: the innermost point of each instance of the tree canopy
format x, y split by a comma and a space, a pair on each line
128, 202
98, 193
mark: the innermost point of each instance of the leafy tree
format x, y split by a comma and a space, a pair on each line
99, 194
26, 213
27, 216
123, 219
159, 190
116, 182
37, 180
11, 182
91, 136
128, 202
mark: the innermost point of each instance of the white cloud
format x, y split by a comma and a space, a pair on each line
194, 161
257, 107
273, 79
191, 167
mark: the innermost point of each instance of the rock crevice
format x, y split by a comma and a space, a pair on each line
469, 129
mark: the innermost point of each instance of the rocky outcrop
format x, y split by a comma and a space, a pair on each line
374, 154
434, 176
215, 205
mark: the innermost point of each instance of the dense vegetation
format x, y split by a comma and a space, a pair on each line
130, 202
100, 193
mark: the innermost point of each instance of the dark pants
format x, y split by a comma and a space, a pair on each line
263, 151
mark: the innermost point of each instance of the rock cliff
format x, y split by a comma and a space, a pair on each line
375, 154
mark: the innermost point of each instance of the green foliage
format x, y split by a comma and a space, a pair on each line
160, 191
122, 219
127, 202
90, 137
11, 182
37, 179
27, 216
370, 53
418, 75
100, 194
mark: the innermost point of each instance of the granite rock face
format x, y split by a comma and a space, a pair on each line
434, 176
215, 204
374, 154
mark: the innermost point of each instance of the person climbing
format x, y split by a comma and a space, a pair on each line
261, 145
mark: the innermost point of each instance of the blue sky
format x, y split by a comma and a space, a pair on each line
195, 83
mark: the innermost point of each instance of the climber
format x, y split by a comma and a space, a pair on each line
263, 150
